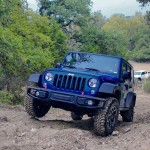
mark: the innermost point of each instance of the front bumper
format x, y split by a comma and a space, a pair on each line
67, 101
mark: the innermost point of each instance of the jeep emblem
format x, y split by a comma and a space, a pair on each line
70, 74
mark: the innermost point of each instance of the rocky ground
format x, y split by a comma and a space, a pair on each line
19, 131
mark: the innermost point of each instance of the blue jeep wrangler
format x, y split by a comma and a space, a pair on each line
98, 85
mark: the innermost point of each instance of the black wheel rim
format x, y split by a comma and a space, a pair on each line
111, 117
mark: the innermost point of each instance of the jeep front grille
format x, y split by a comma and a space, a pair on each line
69, 82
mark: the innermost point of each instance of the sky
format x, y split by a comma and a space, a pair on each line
109, 7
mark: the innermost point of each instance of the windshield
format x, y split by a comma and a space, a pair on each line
93, 62
137, 73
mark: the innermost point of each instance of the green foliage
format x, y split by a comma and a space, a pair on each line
65, 11
146, 85
141, 38
6, 97
141, 55
98, 40
6, 8
146, 3
29, 43
136, 34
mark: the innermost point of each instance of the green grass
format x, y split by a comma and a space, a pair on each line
6, 97
146, 85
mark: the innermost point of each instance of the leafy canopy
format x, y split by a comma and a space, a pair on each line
66, 11
29, 43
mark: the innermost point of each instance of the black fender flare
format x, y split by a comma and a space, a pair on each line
130, 100
110, 88
35, 78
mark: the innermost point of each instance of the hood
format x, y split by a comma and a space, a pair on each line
84, 72
76, 71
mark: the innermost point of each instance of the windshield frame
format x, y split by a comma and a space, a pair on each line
118, 59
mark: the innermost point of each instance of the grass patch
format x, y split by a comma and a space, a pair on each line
6, 97
146, 85
10, 99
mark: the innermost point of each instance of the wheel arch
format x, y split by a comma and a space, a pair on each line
35, 78
130, 100
110, 90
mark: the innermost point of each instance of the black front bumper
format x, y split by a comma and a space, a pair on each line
65, 100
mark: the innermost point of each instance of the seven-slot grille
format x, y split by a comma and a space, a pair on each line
69, 82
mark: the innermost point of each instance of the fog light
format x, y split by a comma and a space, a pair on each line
90, 102
32, 91
37, 93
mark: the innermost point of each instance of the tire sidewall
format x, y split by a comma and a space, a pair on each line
115, 104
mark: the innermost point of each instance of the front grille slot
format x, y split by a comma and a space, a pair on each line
64, 82
59, 81
73, 83
83, 84
78, 84
69, 82
55, 79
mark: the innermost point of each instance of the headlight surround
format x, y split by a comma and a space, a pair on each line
93, 83
49, 76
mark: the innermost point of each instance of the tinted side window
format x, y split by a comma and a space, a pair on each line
124, 68
130, 72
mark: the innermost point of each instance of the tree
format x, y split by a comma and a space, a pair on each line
66, 11
144, 2
29, 43
97, 40
6, 6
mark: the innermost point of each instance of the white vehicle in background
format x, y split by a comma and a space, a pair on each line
142, 74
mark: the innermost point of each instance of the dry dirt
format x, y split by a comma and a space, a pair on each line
140, 66
56, 131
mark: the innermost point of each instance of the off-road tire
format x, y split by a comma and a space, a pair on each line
105, 120
76, 116
35, 108
128, 115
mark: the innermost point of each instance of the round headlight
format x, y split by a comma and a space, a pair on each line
48, 76
93, 83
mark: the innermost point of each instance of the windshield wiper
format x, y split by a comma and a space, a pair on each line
93, 69
70, 66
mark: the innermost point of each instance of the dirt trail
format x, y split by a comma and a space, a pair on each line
56, 131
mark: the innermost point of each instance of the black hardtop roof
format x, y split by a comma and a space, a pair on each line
118, 57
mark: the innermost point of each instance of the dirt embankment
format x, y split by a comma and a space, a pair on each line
140, 66
56, 131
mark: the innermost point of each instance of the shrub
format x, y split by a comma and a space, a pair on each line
146, 85
137, 83
6, 97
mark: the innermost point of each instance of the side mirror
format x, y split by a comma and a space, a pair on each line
58, 65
